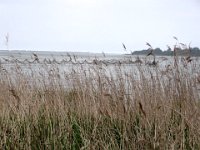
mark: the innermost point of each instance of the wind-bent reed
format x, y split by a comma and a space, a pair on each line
94, 107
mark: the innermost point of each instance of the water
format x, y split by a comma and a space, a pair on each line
64, 67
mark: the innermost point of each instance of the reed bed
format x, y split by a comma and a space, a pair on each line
94, 107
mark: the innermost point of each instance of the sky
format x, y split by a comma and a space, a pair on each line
97, 25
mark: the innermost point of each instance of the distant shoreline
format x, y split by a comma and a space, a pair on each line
158, 52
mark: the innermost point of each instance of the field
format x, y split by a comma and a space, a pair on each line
101, 102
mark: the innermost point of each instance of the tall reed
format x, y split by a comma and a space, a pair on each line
100, 107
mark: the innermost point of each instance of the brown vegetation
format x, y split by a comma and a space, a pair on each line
97, 108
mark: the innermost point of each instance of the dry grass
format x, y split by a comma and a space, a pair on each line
95, 108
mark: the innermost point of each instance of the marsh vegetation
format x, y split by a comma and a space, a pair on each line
95, 106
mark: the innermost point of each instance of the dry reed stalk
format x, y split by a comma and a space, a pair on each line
98, 109
141, 109
16, 96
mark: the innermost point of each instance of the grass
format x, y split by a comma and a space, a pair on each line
98, 108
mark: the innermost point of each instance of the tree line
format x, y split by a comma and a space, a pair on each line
195, 51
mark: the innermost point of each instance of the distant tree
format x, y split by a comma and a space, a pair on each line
157, 51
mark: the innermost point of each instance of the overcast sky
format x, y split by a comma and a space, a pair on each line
98, 25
